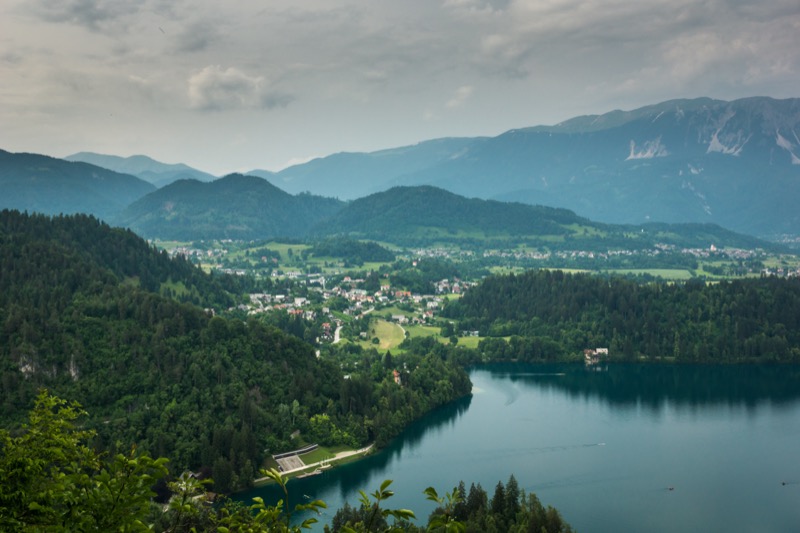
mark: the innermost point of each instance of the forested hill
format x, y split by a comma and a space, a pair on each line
233, 207
78, 316
33, 182
425, 215
67, 254
406, 213
555, 315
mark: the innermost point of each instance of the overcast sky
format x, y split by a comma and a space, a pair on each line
236, 85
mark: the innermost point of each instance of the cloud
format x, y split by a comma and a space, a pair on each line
216, 89
196, 37
477, 5
460, 97
91, 14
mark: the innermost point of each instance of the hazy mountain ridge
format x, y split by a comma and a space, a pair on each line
734, 164
700, 160
53, 186
248, 207
348, 175
144, 167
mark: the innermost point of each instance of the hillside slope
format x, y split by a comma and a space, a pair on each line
80, 315
425, 215
233, 207
33, 182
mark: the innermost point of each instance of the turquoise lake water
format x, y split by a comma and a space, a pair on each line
631, 448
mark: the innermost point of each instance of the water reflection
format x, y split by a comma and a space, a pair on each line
604, 447
652, 387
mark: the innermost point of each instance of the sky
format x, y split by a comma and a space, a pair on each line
227, 86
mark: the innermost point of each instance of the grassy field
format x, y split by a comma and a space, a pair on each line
501, 270
389, 334
435, 331
423, 331
392, 310
586, 231
310, 458
664, 273
322, 453
469, 342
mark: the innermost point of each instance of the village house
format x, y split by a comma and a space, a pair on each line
400, 319
592, 357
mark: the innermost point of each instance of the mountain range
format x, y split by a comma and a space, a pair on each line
735, 164
249, 208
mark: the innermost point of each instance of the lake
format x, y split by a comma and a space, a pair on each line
629, 448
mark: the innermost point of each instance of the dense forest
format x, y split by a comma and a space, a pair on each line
83, 315
552, 315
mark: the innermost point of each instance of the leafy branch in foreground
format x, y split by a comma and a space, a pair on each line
374, 517
53, 481
444, 519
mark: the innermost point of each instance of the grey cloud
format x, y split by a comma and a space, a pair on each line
12, 57
91, 14
196, 37
215, 88
614, 34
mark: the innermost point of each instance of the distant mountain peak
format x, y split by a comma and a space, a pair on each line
734, 163
142, 166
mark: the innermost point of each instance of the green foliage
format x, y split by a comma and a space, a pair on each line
371, 516
551, 315
53, 481
508, 510
420, 278
444, 519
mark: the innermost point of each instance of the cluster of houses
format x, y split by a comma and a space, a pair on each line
263, 302
781, 272
198, 255
359, 301
738, 254
658, 249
